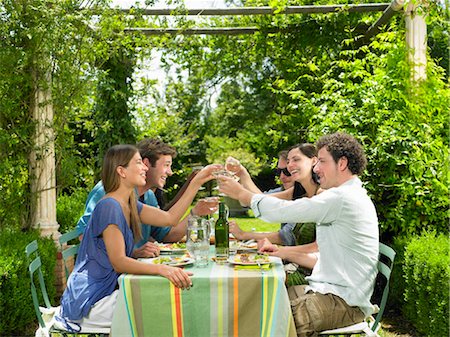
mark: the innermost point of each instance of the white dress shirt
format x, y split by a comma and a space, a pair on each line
347, 236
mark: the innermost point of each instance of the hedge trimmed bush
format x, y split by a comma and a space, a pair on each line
16, 304
396, 299
69, 209
427, 274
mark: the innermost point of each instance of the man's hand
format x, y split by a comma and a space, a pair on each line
206, 206
265, 246
234, 190
236, 230
149, 249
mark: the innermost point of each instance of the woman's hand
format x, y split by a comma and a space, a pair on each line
236, 230
242, 173
177, 276
229, 186
206, 173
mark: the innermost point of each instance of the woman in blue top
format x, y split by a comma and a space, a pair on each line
105, 251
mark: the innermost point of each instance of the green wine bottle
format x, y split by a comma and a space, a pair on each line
222, 236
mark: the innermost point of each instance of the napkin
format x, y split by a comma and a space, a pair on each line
265, 266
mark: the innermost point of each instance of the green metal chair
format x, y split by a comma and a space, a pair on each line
371, 326
34, 268
70, 251
46, 315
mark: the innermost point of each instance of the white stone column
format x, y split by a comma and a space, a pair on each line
416, 40
42, 161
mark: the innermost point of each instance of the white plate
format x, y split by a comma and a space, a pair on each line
173, 261
168, 248
242, 246
235, 260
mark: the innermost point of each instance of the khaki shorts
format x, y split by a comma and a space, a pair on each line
315, 312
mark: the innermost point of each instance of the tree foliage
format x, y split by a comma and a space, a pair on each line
249, 95
311, 78
83, 52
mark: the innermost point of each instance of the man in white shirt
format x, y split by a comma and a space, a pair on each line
342, 279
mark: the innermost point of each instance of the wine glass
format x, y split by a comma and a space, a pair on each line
232, 165
211, 202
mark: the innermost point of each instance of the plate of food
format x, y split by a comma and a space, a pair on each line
249, 245
174, 261
176, 247
248, 259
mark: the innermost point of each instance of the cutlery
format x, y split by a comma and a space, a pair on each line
260, 267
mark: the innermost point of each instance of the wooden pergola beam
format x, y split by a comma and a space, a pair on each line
198, 31
388, 10
310, 9
394, 6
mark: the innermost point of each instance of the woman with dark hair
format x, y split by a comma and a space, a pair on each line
105, 251
342, 280
301, 159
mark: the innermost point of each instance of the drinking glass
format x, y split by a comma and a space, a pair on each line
225, 173
211, 202
232, 165
197, 240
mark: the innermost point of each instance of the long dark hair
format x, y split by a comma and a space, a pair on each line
120, 155
310, 151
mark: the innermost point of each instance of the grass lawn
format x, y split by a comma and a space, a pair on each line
248, 224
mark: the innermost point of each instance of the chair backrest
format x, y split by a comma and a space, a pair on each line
34, 267
70, 250
385, 265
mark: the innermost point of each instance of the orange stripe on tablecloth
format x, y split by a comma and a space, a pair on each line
177, 314
236, 304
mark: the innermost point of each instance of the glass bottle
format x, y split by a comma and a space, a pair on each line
222, 236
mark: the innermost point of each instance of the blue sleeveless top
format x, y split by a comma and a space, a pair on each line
93, 276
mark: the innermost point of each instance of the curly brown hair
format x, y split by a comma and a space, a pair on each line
340, 145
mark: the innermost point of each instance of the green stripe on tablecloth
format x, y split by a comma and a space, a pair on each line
150, 324
196, 304
136, 294
269, 295
279, 313
219, 301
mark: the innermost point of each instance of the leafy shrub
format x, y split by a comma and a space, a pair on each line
219, 148
397, 283
13, 187
16, 306
427, 276
403, 127
69, 209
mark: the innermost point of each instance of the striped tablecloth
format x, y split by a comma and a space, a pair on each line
222, 302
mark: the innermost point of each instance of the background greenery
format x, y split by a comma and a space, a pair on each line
16, 306
427, 277
248, 95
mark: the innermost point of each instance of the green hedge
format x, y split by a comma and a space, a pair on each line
427, 275
16, 306
396, 300
69, 209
